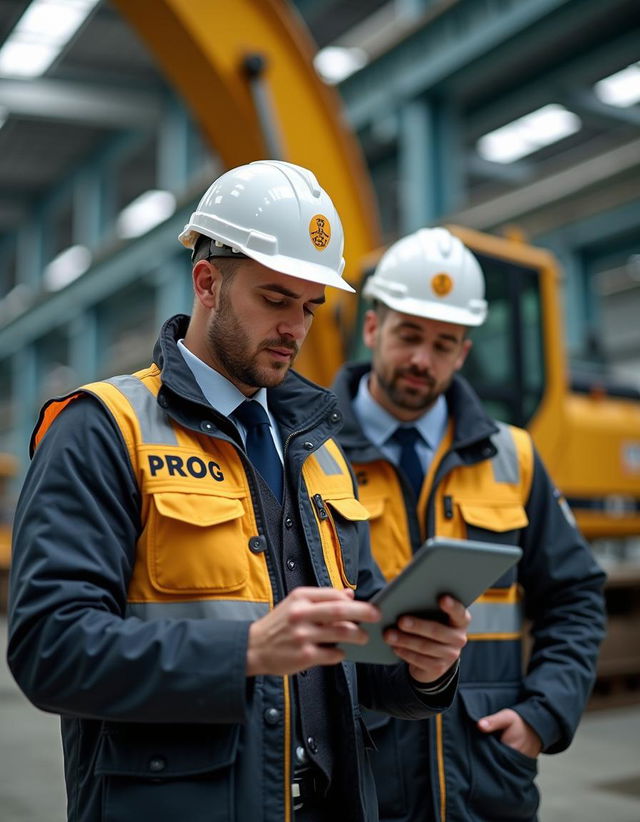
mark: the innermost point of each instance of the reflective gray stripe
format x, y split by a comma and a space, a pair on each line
506, 467
495, 618
199, 609
327, 461
154, 422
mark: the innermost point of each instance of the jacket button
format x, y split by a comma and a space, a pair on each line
257, 545
272, 716
313, 745
309, 445
335, 417
163, 402
206, 425
288, 523
157, 764
291, 564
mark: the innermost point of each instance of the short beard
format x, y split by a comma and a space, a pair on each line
232, 349
407, 398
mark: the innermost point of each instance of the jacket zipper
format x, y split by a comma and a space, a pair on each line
430, 528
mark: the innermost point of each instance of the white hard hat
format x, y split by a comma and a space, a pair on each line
430, 274
277, 214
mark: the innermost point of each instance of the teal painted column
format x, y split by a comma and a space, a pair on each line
30, 253
430, 163
173, 146
450, 158
173, 290
84, 347
88, 207
417, 188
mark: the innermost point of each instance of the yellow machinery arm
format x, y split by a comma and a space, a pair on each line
245, 69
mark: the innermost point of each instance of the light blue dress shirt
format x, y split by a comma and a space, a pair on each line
379, 425
224, 396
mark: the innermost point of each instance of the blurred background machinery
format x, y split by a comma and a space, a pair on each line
515, 121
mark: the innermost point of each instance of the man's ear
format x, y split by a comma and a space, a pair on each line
467, 345
206, 283
370, 328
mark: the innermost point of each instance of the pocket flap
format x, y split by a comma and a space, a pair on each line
479, 702
198, 509
497, 518
375, 507
350, 508
166, 752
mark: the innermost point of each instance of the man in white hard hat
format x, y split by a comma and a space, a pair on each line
188, 542
430, 462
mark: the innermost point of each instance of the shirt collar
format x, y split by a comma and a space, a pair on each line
378, 424
219, 392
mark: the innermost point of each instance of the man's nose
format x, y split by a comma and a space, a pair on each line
421, 357
293, 325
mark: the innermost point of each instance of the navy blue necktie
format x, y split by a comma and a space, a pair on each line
407, 437
259, 444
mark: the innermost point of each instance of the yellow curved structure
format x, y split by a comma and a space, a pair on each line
245, 70
244, 67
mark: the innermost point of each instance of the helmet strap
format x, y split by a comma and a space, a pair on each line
216, 249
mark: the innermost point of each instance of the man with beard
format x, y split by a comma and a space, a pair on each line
430, 462
188, 542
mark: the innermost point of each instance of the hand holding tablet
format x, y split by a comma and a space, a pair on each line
462, 568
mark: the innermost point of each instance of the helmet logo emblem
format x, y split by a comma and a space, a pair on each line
441, 284
320, 231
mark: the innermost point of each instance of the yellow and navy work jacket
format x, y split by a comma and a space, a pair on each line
487, 483
140, 562
196, 493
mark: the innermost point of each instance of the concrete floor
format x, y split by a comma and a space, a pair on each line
596, 780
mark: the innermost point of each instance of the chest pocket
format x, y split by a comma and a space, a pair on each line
506, 518
337, 518
501, 522
191, 543
199, 545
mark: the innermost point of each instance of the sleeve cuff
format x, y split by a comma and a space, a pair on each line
439, 685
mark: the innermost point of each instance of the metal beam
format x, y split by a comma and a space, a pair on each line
452, 41
551, 189
516, 173
115, 270
81, 103
601, 230
586, 104
554, 85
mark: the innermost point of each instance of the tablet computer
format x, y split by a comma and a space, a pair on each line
462, 568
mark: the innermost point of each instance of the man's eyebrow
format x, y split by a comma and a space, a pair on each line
287, 292
447, 337
441, 335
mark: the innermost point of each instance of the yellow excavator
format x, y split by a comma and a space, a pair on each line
245, 69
